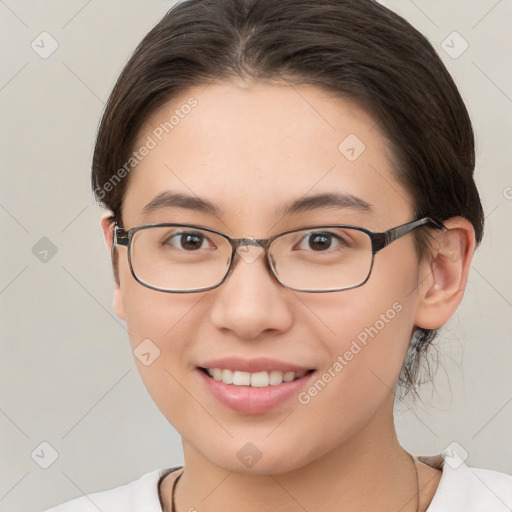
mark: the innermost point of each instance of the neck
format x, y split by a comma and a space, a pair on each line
370, 471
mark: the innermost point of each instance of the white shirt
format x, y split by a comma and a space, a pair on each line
461, 489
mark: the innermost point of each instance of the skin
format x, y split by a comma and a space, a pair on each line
249, 148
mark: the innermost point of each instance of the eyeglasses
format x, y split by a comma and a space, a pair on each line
183, 258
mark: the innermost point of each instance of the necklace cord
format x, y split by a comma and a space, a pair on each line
417, 484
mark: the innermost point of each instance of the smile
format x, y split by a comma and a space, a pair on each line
257, 379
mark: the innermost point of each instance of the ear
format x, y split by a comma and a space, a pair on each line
107, 225
445, 276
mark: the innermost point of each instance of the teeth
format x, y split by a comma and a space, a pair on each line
240, 378
275, 377
260, 380
227, 376
257, 380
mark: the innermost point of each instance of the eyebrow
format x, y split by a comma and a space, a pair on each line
170, 200
327, 200
304, 204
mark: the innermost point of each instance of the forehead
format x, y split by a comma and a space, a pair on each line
251, 148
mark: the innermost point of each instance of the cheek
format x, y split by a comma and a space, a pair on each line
150, 314
160, 326
169, 321
368, 333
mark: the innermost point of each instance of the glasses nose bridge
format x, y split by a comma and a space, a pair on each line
237, 252
236, 243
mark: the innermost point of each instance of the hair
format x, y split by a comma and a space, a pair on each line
357, 49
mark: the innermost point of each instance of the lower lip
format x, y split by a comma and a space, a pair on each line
254, 400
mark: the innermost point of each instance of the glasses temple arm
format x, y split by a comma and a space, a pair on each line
120, 237
381, 240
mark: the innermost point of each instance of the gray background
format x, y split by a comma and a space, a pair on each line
67, 376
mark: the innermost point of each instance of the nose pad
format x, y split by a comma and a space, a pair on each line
249, 250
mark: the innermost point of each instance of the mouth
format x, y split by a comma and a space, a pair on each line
260, 379
253, 386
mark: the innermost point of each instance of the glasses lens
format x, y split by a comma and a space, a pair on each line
179, 258
322, 259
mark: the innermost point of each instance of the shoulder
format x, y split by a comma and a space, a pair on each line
139, 495
467, 489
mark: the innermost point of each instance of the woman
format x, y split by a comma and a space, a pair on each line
292, 215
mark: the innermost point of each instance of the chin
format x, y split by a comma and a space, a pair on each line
249, 460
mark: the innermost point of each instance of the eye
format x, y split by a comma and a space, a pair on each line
187, 240
321, 241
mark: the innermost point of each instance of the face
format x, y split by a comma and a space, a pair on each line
250, 150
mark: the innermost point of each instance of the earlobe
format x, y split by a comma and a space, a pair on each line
442, 288
107, 226
118, 302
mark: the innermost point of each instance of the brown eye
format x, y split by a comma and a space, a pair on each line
189, 241
320, 241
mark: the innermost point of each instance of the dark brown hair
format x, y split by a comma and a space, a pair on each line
357, 49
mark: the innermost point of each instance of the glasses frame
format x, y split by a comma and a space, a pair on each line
379, 240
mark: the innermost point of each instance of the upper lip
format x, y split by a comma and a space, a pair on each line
260, 364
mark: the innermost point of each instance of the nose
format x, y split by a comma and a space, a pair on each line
251, 301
